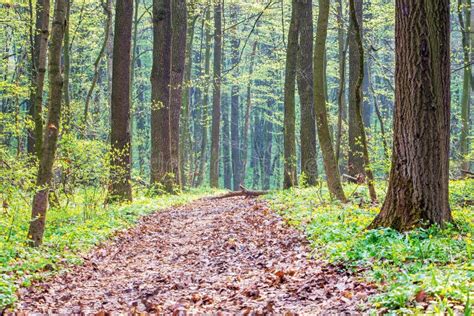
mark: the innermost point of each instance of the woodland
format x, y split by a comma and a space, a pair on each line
250, 157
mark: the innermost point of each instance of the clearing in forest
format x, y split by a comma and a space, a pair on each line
231, 255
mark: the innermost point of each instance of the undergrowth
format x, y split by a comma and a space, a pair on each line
72, 228
423, 271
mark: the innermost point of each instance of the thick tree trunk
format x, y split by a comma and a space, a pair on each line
305, 87
50, 137
67, 69
160, 86
356, 157
289, 174
38, 74
178, 59
120, 187
418, 188
216, 100
330, 163
235, 104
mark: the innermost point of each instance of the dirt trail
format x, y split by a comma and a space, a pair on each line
231, 255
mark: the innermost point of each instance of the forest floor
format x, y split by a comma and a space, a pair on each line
230, 255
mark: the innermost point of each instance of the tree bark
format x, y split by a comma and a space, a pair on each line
178, 59
120, 187
359, 101
356, 158
38, 74
50, 137
226, 159
418, 188
67, 69
290, 177
160, 86
329, 159
305, 87
216, 100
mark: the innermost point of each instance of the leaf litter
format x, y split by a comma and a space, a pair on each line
224, 256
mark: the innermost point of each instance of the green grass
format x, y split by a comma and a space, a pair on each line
433, 261
71, 230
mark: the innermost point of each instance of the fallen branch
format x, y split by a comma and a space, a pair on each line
243, 192
468, 172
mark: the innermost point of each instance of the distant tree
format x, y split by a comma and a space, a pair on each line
417, 194
120, 188
216, 100
50, 137
329, 159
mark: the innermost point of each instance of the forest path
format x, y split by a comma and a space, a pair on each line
232, 255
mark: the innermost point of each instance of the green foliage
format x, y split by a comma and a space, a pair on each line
70, 231
433, 261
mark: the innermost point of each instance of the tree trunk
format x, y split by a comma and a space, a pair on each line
290, 177
216, 100
305, 87
178, 59
464, 15
120, 187
358, 103
330, 163
50, 139
267, 145
38, 74
235, 104
67, 69
205, 103
160, 83
356, 158
247, 115
226, 159
418, 188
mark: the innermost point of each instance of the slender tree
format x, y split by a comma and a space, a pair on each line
305, 88
120, 188
160, 85
178, 59
216, 100
40, 48
418, 187
50, 137
329, 159
289, 173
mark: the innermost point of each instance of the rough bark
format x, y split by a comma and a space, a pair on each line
355, 158
178, 59
417, 194
160, 91
120, 188
50, 137
342, 41
38, 74
216, 99
305, 87
289, 174
329, 159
